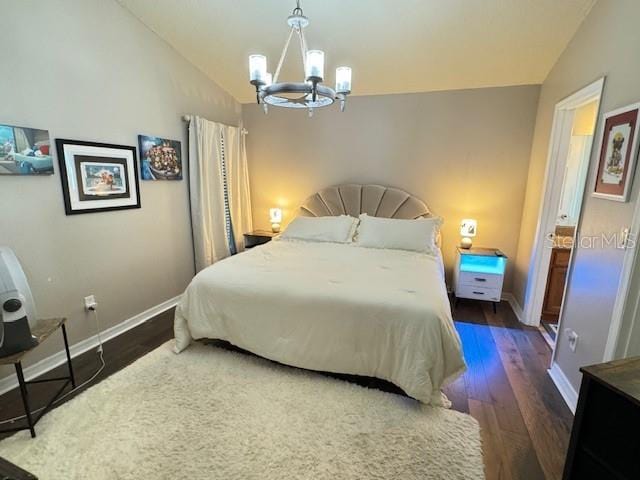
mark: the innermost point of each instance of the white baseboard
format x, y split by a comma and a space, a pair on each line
515, 306
43, 366
564, 386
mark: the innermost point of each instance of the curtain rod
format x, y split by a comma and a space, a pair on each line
188, 118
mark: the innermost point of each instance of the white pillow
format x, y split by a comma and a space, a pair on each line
322, 229
415, 235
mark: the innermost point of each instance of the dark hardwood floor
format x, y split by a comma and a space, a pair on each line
524, 420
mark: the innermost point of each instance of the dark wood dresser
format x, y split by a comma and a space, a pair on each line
605, 440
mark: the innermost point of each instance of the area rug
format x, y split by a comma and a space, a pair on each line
210, 413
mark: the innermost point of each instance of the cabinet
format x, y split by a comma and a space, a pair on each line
604, 438
555, 284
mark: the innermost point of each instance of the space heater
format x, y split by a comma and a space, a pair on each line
17, 310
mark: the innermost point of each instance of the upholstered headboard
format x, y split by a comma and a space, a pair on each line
374, 200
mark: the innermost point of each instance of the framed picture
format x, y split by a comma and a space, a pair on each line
25, 151
618, 153
97, 177
160, 159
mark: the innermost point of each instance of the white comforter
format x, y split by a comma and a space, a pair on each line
331, 307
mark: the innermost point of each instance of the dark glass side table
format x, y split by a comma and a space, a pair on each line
43, 330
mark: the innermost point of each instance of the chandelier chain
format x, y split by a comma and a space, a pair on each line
283, 55
298, 9
303, 49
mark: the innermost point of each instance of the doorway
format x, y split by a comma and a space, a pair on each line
572, 190
570, 149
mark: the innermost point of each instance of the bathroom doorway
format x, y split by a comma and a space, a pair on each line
570, 150
564, 233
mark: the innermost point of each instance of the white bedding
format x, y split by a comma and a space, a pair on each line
331, 307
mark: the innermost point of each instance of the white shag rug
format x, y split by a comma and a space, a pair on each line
209, 413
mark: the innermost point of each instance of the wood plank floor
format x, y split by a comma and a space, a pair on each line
525, 423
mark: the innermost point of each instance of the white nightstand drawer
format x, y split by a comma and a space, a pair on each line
485, 280
478, 293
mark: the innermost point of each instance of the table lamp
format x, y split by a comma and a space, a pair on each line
468, 228
275, 217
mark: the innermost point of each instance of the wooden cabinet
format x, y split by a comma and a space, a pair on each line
555, 284
604, 439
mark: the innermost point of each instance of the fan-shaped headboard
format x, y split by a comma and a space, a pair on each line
374, 200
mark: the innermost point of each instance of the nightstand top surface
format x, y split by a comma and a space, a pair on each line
481, 252
262, 233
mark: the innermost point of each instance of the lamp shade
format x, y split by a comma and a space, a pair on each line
343, 80
275, 215
257, 68
314, 65
468, 227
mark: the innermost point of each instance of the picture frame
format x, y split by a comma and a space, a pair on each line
97, 177
618, 154
160, 158
25, 151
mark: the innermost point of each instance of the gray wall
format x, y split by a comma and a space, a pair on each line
464, 152
606, 44
88, 70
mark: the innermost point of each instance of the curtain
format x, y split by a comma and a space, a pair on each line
219, 191
237, 174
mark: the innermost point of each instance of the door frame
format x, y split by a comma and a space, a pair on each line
627, 304
540, 255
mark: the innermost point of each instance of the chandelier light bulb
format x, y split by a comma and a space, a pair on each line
343, 80
315, 65
257, 68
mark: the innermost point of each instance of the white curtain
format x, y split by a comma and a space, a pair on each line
237, 184
213, 149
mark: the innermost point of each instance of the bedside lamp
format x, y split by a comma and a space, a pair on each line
468, 228
275, 217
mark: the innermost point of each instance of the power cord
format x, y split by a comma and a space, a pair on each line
99, 350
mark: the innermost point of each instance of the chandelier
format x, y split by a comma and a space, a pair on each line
308, 94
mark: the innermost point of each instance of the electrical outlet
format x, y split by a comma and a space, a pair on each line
90, 302
572, 338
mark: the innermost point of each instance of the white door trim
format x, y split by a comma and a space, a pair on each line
627, 303
548, 211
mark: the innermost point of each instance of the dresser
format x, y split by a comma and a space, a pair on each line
605, 438
479, 274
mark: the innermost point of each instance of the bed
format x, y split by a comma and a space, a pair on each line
334, 307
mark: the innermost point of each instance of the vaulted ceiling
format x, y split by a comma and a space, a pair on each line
392, 46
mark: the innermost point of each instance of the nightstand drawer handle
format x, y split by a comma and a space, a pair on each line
479, 293
478, 279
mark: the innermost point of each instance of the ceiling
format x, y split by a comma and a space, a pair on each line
393, 46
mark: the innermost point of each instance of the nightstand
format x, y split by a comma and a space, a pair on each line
479, 274
257, 237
